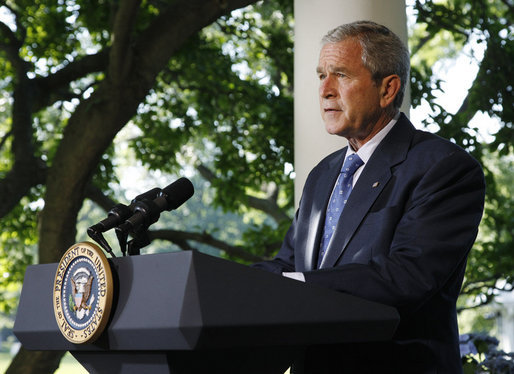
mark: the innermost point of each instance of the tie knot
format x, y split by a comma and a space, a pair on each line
351, 164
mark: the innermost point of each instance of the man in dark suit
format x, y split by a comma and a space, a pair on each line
403, 234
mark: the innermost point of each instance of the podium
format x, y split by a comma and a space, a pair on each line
188, 312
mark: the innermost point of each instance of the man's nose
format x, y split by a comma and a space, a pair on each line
327, 87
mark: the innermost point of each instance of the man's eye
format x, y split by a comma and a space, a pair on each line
341, 75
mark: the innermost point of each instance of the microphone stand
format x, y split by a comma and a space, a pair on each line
99, 238
140, 239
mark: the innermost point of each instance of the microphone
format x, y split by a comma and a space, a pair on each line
147, 211
120, 212
115, 216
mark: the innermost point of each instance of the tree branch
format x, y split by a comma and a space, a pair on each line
180, 236
486, 296
18, 182
11, 45
27, 170
421, 42
268, 206
4, 138
97, 196
183, 17
11, 41
467, 110
121, 52
19, 26
55, 87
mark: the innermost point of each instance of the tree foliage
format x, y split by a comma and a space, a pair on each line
444, 29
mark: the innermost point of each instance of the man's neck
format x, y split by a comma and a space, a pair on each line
383, 121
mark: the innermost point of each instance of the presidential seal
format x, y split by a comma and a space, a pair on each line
83, 291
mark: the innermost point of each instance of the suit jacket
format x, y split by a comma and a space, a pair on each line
402, 240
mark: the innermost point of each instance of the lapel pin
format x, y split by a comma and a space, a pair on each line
375, 184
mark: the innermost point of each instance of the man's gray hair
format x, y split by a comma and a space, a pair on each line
383, 53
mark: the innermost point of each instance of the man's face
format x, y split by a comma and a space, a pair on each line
349, 98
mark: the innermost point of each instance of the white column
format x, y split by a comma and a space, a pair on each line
313, 18
505, 305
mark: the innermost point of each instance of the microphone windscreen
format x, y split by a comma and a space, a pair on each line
178, 192
148, 195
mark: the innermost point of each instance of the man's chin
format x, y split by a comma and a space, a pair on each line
335, 130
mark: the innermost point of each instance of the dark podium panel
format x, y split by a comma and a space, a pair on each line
188, 312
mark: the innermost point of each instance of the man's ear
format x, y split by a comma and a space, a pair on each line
389, 88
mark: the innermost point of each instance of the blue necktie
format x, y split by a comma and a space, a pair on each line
338, 200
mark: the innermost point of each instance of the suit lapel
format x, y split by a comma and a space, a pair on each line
377, 172
321, 196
